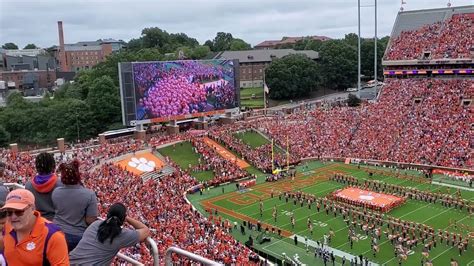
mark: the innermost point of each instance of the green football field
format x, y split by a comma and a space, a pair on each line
312, 178
237, 206
182, 153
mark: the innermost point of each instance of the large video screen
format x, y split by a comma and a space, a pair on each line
183, 88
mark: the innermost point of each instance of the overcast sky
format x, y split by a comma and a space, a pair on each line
35, 21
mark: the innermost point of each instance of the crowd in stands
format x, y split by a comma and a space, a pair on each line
419, 121
224, 170
451, 38
157, 203
260, 157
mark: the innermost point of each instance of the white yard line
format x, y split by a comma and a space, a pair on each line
453, 186
448, 249
284, 203
436, 215
408, 213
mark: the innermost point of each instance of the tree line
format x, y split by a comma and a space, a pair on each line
91, 104
296, 76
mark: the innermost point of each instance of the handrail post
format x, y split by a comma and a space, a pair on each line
192, 256
153, 250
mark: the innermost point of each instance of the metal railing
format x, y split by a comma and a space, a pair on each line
151, 244
187, 254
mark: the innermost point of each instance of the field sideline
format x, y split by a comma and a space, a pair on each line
244, 206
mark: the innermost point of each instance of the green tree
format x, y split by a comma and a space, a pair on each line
148, 54
135, 44
367, 56
200, 51
301, 44
60, 93
104, 102
222, 41
314, 45
74, 91
30, 46
186, 51
71, 119
209, 44
4, 137
351, 39
292, 76
182, 39
239, 45
15, 99
338, 64
154, 37
10, 46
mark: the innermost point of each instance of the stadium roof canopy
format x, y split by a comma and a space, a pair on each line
410, 20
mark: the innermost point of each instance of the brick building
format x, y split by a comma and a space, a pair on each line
26, 59
252, 63
285, 41
83, 55
28, 79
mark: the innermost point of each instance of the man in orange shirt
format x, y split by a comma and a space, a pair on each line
28, 238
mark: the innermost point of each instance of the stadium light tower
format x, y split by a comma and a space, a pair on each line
375, 45
358, 44
358, 47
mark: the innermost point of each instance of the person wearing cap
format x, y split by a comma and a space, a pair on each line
43, 184
102, 240
73, 221
28, 238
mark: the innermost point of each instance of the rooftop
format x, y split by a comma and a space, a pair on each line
291, 40
263, 55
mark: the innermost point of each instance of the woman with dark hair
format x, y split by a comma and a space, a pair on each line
43, 184
102, 240
73, 221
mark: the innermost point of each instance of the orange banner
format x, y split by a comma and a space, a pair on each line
370, 197
141, 163
225, 153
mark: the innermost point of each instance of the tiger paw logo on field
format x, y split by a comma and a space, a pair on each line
142, 164
366, 197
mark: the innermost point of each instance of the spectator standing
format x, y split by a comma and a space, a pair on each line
73, 221
43, 184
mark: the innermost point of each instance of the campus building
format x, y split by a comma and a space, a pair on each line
253, 62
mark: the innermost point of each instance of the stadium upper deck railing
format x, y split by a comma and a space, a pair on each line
153, 248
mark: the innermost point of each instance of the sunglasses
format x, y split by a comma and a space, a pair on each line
17, 213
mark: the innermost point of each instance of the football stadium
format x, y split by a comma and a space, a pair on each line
319, 182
